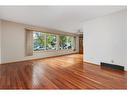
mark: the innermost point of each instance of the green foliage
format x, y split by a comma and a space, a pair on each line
50, 41
40, 43
38, 40
63, 40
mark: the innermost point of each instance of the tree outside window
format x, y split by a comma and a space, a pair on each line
50, 42
66, 42
39, 41
47, 41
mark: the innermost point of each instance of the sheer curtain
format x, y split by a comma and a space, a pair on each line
29, 42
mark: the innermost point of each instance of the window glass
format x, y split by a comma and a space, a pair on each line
38, 41
47, 41
50, 42
66, 42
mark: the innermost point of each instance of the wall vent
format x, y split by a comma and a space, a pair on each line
112, 66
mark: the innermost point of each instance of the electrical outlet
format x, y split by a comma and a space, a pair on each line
112, 61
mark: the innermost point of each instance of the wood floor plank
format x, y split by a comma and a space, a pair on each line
64, 72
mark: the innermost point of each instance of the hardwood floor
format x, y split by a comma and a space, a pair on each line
64, 72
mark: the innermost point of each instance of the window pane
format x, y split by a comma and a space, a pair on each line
63, 41
50, 42
66, 42
39, 41
69, 42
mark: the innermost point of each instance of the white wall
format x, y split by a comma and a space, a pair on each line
0, 40
13, 44
105, 39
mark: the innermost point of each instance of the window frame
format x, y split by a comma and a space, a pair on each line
46, 41
57, 43
67, 40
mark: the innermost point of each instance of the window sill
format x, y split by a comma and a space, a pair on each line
52, 51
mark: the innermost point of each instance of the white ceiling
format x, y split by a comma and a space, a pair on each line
65, 18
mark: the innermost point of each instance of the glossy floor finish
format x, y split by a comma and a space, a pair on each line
65, 72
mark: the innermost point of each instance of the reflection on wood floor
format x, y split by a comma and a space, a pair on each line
64, 72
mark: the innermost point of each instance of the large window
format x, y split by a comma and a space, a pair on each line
47, 41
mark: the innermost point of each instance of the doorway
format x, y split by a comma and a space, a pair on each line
81, 43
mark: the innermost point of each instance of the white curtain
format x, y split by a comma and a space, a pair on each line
29, 43
74, 43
